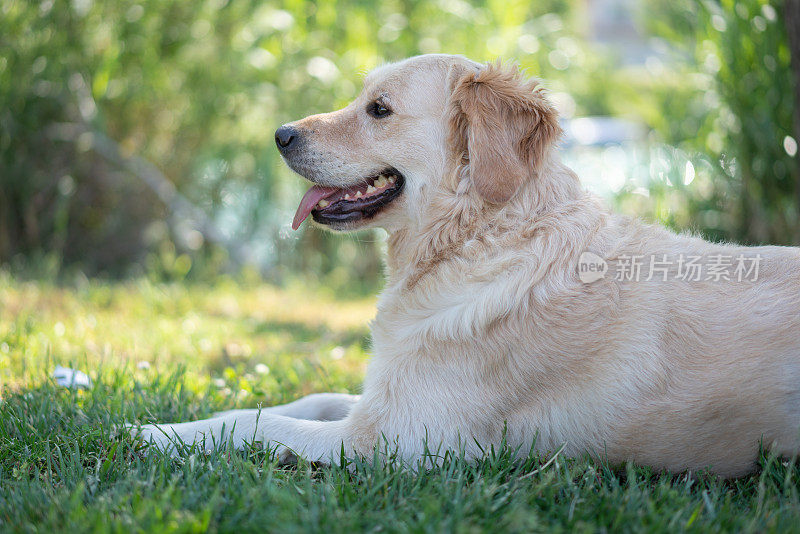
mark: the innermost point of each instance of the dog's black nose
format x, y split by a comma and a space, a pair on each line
285, 137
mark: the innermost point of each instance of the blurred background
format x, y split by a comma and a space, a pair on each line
136, 136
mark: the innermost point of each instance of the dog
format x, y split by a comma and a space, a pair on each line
516, 305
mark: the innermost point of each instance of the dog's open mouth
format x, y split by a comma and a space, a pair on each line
330, 205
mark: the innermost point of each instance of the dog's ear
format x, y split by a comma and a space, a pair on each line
503, 123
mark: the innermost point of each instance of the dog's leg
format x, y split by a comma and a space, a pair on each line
299, 423
319, 441
316, 407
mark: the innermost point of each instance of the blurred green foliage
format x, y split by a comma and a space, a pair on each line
725, 106
93, 92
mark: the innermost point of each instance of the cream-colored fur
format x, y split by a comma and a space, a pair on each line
484, 323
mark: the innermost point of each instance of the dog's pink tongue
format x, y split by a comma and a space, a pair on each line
310, 199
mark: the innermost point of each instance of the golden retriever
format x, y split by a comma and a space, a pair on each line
516, 303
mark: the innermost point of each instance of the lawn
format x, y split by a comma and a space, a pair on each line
168, 352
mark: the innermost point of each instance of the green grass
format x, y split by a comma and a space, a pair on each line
159, 352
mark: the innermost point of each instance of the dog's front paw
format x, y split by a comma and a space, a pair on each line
158, 436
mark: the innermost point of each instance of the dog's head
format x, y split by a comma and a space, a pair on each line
428, 125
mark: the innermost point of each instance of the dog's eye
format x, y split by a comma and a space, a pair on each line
378, 110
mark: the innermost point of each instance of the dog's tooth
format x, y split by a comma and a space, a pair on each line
370, 189
381, 181
359, 194
347, 196
323, 203
391, 179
